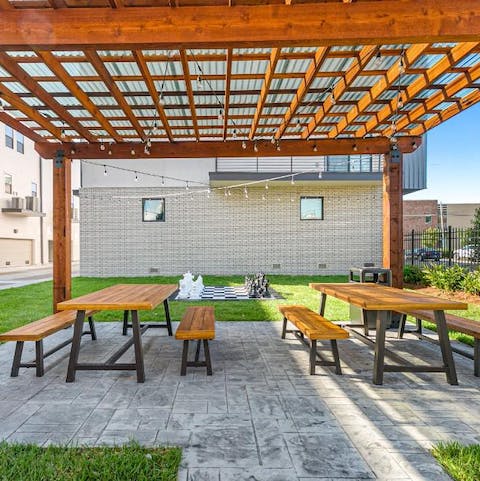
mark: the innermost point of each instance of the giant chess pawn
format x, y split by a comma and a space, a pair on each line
197, 288
185, 286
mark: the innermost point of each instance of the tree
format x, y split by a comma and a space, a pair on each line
475, 236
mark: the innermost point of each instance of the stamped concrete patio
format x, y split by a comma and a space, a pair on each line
260, 416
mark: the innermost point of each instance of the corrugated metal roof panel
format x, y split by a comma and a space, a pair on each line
279, 98
30, 124
127, 132
464, 92
79, 69
137, 100
21, 53
206, 51
54, 87
426, 61
180, 123
114, 53
120, 123
253, 51
115, 113
16, 87
405, 80
340, 108
388, 95
131, 86
93, 86
170, 86
243, 99
446, 78
206, 68
250, 84
47, 113
251, 67
122, 68
351, 96
37, 69
444, 105
469, 61
336, 64
33, 101
374, 108
103, 101
67, 101
68, 53
363, 118
90, 123
323, 82
246, 112
4, 73
292, 65
285, 83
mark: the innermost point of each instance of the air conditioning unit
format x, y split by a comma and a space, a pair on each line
31, 203
18, 203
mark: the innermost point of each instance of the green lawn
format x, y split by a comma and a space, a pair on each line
57, 463
461, 462
21, 305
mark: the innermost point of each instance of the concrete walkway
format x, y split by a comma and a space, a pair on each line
260, 416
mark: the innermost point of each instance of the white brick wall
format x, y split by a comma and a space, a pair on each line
230, 235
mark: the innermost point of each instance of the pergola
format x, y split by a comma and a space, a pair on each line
122, 79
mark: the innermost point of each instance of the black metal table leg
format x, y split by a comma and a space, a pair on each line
208, 362
17, 359
137, 343
476, 357
383, 319
197, 352
323, 301
363, 314
284, 327
167, 317
183, 369
39, 358
445, 347
75, 350
313, 356
336, 357
93, 332
125, 323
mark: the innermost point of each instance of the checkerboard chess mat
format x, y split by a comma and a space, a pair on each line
224, 293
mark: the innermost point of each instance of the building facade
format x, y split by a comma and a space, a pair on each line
419, 215
26, 230
230, 216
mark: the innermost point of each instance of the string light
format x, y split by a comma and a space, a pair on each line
292, 182
244, 144
136, 177
278, 146
315, 148
255, 146
187, 187
355, 148
105, 170
245, 191
161, 100
102, 146
132, 151
266, 185
163, 180
378, 58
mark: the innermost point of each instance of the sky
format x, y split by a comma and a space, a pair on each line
453, 160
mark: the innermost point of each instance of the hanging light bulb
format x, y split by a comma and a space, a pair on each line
105, 170
209, 191
229, 192
163, 180
278, 146
266, 185
225, 192
2, 107
292, 198
146, 150
244, 144
136, 177
400, 100
378, 58
161, 99
273, 139
220, 114
72, 151
155, 127
255, 146
62, 134
245, 191
199, 82
102, 146
355, 148
234, 133
332, 97
109, 151
132, 151
315, 148
401, 65
292, 181
264, 197
187, 187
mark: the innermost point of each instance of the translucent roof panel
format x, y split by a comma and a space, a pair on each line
336, 64
54, 87
292, 65
170, 86
103, 101
90, 123
131, 86
79, 69
253, 67
469, 60
67, 101
33, 101
120, 123
427, 61
37, 69
16, 87
97, 86
79, 113
122, 69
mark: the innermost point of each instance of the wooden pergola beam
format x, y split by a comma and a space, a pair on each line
56, 67
386, 80
303, 88
262, 98
21, 76
374, 145
385, 22
142, 65
444, 65
105, 76
5, 5
364, 56
226, 100
188, 87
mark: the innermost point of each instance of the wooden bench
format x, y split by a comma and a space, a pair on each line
197, 324
455, 323
37, 331
316, 328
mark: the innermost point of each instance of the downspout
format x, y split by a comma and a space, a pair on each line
40, 188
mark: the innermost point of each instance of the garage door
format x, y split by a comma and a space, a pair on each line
15, 252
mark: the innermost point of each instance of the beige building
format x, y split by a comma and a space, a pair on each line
459, 215
26, 203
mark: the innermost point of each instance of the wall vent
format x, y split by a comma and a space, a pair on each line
322, 266
276, 266
153, 270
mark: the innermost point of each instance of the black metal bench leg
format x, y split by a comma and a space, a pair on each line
75, 349
137, 344
208, 362
167, 317
183, 370
17, 359
419, 326
197, 352
125, 323
313, 356
91, 325
476, 357
284, 328
39, 358
336, 357
445, 347
401, 326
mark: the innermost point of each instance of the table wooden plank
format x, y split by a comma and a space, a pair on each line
125, 297
375, 297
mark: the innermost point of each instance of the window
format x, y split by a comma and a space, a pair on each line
34, 189
428, 219
20, 143
311, 208
8, 184
9, 136
153, 210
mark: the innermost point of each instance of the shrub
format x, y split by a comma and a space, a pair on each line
471, 282
413, 275
445, 278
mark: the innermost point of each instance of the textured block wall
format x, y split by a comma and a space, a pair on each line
229, 235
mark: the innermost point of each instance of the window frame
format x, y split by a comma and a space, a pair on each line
9, 139
319, 197
161, 200
5, 183
20, 143
34, 192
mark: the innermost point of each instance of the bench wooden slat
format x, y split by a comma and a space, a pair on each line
313, 325
38, 330
454, 322
198, 322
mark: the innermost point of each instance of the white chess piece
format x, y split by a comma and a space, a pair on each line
185, 286
197, 288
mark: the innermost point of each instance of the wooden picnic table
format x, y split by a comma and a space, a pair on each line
386, 300
121, 297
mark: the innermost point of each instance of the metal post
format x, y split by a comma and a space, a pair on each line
137, 342
208, 361
445, 347
167, 317
323, 301
313, 356
183, 370
39, 358
412, 244
449, 245
125, 323
383, 319
75, 350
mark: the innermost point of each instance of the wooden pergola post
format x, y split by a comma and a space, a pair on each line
393, 216
62, 238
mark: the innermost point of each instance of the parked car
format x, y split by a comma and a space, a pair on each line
426, 253
466, 252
